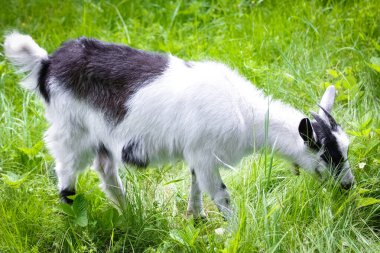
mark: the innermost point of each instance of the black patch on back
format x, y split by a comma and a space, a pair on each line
64, 195
105, 75
223, 186
130, 154
42, 80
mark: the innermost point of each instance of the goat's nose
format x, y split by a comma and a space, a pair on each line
347, 185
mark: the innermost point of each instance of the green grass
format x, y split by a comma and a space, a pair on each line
291, 49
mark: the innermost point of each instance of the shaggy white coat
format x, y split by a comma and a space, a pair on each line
207, 115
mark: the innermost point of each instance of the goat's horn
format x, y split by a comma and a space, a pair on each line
319, 120
330, 118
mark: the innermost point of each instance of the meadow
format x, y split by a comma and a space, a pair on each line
290, 49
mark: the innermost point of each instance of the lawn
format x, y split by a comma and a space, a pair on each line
290, 49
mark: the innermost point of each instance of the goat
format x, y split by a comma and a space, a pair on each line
116, 104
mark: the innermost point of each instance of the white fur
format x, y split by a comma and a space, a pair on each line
23, 52
207, 115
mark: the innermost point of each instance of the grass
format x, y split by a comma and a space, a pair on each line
290, 49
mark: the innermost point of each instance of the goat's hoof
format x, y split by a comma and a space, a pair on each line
64, 194
220, 231
197, 217
199, 220
66, 200
296, 170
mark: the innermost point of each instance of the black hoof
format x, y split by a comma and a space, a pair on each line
200, 220
64, 196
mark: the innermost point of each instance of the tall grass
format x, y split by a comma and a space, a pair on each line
290, 49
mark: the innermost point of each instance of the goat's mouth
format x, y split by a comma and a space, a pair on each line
346, 179
347, 186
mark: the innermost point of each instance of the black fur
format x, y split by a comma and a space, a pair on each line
42, 80
102, 150
306, 131
332, 154
104, 75
64, 195
130, 155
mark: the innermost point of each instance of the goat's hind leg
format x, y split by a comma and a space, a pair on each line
67, 177
111, 182
70, 159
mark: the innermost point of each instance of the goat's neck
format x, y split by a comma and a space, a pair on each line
280, 132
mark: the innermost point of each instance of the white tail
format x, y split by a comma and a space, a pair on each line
26, 55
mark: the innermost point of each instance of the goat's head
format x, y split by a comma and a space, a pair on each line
327, 142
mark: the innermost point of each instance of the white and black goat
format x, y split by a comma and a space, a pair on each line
120, 105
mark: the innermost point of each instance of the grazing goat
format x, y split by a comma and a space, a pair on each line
121, 105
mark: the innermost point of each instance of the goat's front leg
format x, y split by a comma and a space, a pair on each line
194, 206
111, 182
209, 181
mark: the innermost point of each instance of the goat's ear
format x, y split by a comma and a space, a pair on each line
327, 101
306, 131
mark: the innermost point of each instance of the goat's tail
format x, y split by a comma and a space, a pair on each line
23, 52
